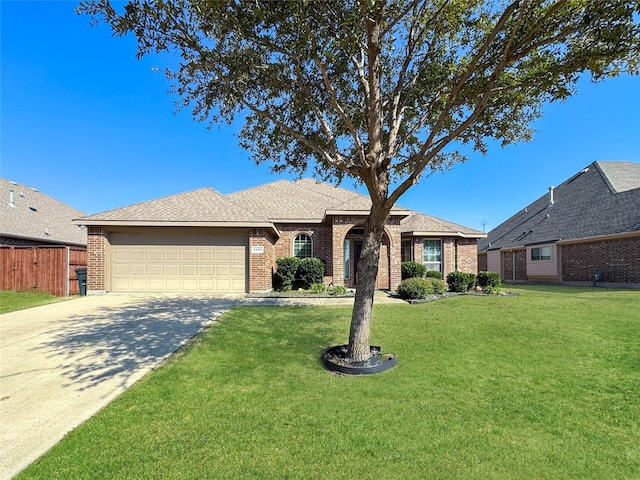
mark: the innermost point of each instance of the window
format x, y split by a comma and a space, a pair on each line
432, 254
541, 253
405, 249
347, 259
302, 246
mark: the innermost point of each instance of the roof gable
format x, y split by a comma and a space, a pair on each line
30, 214
584, 206
420, 224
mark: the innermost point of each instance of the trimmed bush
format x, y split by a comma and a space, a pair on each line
412, 270
489, 279
433, 274
338, 290
286, 273
461, 282
319, 288
419, 288
310, 271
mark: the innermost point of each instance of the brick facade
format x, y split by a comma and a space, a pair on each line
618, 260
262, 259
459, 254
96, 260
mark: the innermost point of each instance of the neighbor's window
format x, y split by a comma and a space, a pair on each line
302, 246
541, 253
432, 255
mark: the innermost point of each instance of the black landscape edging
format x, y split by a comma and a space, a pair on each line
379, 362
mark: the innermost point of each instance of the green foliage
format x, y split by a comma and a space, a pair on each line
319, 288
493, 290
433, 274
11, 301
412, 270
310, 271
286, 273
338, 290
418, 288
461, 281
489, 279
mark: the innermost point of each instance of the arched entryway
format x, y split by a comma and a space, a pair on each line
352, 247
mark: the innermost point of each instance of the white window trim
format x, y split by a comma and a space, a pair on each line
293, 245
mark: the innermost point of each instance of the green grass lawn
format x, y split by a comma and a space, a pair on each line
11, 301
542, 385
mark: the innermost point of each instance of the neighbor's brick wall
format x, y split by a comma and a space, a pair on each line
617, 259
261, 265
96, 259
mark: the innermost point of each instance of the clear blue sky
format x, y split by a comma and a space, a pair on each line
87, 123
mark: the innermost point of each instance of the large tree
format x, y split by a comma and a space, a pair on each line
383, 91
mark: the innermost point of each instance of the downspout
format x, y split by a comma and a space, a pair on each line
513, 262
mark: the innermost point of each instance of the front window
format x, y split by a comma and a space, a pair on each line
541, 253
432, 255
347, 259
302, 246
405, 249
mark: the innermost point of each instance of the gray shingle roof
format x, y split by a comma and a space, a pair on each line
204, 205
36, 216
282, 201
419, 223
602, 199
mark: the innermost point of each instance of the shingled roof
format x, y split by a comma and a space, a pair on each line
26, 213
418, 224
601, 199
204, 207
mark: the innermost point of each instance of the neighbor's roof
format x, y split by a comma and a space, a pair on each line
602, 199
29, 214
203, 207
419, 224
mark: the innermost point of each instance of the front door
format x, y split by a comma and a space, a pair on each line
357, 249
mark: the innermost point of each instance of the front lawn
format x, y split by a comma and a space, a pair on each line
542, 385
11, 301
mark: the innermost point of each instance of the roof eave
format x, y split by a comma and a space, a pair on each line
435, 233
155, 223
44, 239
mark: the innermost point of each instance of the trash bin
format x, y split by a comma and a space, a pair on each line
81, 274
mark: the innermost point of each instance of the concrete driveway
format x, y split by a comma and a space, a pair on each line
61, 363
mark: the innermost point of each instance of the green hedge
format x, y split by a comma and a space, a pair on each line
461, 282
419, 288
489, 279
412, 270
433, 274
286, 273
310, 271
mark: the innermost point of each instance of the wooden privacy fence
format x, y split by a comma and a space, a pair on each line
46, 269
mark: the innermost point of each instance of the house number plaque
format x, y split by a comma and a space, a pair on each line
257, 249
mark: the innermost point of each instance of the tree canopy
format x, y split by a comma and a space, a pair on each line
383, 91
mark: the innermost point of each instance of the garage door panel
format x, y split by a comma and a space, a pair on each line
178, 263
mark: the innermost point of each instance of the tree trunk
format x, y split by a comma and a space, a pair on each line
359, 347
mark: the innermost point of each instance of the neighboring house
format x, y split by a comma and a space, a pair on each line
585, 230
203, 241
40, 247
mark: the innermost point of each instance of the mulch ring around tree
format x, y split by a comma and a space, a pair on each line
335, 360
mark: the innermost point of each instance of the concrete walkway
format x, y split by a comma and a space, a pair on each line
61, 363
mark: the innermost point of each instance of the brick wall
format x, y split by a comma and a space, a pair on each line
262, 259
96, 259
617, 259
457, 254
467, 255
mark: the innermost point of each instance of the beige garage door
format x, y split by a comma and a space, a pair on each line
177, 262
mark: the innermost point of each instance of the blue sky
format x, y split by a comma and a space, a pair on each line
86, 122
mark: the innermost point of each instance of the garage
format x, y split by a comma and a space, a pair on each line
170, 261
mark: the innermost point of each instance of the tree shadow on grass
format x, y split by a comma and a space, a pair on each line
122, 343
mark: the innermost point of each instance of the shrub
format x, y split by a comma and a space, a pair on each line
412, 270
310, 271
433, 274
492, 290
489, 279
461, 282
319, 288
286, 273
419, 288
338, 290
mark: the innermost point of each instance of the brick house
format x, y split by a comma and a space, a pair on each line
585, 230
40, 247
203, 241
